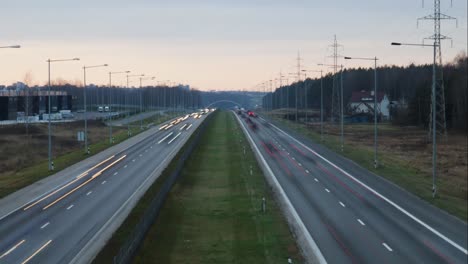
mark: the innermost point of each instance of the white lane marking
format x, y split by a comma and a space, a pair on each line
293, 158
115, 173
307, 171
45, 225
173, 138
342, 204
151, 147
327, 190
141, 155
133, 160
36, 252
361, 222
310, 241
70, 207
386, 246
125, 166
146, 150
90, 192
300, 165
288, 153
183, 127
401, 209
188, 127
12, 248
104, 182
315, 179
164, 138
112, 219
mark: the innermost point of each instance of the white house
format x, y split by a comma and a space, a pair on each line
363, 102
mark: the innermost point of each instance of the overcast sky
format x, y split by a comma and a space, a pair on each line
212, 44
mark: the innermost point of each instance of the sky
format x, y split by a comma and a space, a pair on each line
213, 44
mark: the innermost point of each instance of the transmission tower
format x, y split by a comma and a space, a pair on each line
437, 37
335, 107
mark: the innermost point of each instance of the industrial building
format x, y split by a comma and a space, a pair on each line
14, 104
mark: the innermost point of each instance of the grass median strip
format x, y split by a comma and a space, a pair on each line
213, 214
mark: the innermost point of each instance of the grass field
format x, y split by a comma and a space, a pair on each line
213, 215
404, 158
23, 157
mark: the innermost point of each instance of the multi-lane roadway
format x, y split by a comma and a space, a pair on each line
68, 222
350, 214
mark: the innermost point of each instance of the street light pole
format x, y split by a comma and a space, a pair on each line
434, 127
85, 110
342, 116
128, 120
11, 47
51, 166
111, 141
141, 107
376, 163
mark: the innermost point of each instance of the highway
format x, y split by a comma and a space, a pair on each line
352, 215
64, 224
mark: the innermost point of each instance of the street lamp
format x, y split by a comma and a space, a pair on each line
376, 164
141, 107
434, 127
51, 163
11, 47
110, 103
128, 120
341, 88
84, 99
305, 88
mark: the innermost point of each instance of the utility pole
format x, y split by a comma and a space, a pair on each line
438, 110
298, 80
335, 111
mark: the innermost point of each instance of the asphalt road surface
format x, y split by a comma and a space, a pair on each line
62, 224
352, 215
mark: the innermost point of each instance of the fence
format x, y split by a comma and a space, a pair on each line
129, 248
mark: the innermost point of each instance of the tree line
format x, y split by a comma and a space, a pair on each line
408, 86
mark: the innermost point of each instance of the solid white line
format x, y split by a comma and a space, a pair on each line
70, 207
327, 190
316, 251
361, 222
164, 138
116, 173
12, 248
90, 192
388, 248
417, 220
44, 225
36, 252
173, 138
104, 182
316, 179
342, 204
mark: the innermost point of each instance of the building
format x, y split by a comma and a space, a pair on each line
362, 102
29, 102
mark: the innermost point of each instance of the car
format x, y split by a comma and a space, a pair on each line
251, 113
